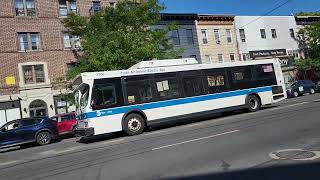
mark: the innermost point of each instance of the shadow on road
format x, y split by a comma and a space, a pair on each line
304, 171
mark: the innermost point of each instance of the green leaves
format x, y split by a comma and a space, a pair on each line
117, 38
309, 41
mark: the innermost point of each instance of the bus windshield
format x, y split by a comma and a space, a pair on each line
82, 96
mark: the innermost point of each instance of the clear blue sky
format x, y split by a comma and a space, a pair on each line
239, 7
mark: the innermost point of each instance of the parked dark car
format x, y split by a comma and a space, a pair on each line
301, 87
41, 130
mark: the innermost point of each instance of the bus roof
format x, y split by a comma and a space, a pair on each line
87, 77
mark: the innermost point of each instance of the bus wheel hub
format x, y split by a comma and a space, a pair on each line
134, 124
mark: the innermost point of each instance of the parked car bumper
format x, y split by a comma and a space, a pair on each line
84, 132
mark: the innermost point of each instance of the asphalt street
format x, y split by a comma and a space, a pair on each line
283, 134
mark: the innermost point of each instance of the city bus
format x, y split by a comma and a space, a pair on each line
165, 90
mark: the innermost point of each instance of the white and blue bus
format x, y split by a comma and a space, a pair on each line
158, 91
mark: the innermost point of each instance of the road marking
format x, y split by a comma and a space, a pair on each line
7, 163
193, 140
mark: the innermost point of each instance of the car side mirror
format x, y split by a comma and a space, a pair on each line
3, 130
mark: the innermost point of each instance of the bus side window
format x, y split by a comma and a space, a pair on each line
264, 75
138, 89
241, 78
192, 83
215, 81
167, 86
104, 95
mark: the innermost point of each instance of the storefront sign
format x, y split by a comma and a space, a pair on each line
268, 53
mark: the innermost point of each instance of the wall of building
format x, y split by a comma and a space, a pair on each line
212, 48
48, 23
254, 42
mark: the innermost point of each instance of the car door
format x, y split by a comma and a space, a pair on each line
28, 129
8, 134
63, 125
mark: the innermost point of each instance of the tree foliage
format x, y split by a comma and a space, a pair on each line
317, 13
309, 41
119, 37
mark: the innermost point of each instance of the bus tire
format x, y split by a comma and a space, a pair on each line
134, 124
253, 103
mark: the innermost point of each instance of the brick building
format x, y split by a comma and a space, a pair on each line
208, 38
35, 53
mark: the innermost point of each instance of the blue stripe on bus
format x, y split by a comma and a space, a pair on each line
160, 104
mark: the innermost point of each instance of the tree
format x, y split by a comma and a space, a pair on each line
119, 37
317, 13
309, 42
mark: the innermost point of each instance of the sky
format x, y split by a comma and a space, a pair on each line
240, 7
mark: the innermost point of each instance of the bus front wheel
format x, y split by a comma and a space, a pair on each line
253, 103
134, 124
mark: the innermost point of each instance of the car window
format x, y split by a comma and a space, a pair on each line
65, 118
29, 122
11, 125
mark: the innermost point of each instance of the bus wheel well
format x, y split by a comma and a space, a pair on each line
255, 94
137, 112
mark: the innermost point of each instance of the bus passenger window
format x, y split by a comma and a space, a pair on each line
104, 95
167, 86
216, 83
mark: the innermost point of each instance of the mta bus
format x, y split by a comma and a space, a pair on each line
163, 90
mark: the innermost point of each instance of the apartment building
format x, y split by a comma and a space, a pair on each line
268, 37
185, 36
35, 52
208, 38
217, 42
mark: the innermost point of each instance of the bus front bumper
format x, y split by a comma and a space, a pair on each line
84, 132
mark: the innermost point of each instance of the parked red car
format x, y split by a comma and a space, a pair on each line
66, 123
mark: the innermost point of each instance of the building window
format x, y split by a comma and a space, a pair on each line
33, 74
175, 37
217, 36
25, 8
292, 33
29, 41
220, 58
242, 35
66, 7
96, 6
112, 4
232, 57
190, 36
71, 42
274, 33
263, 33
204, 36
207, 59
229, 35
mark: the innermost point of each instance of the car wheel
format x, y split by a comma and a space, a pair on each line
73, 131
133, 124
44, 138
312, 91
253, 103
295, 94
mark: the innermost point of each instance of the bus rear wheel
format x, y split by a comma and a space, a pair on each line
134, 124
253, 103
